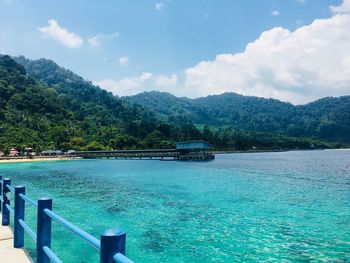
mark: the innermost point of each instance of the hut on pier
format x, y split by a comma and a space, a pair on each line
194, 151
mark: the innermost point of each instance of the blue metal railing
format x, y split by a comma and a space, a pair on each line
30, 201
111, 244
9, 208
29, 231
91, 240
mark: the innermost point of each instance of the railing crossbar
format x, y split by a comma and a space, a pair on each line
10, 208
29, 231
111, 244
51, 255
10, 188
30, 201
91, 240
120, 258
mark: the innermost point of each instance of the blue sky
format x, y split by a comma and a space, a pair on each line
131, 46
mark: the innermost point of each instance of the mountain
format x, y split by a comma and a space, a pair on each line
327, 119
43, 105
79, 93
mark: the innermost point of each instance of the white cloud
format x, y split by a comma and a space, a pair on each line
344, 8
306, 64
159, 6
124, 61
60, 34
145, 82
166, 82
296, 66
96, 40
126, 86
275, 13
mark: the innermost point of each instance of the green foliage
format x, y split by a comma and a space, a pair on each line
63, 111
325, 119
47, 107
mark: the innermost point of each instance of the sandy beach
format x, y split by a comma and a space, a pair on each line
44, 159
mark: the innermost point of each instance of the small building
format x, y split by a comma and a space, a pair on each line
29, 152
70, 152
194, 150
2, 154
14, 152
193, 146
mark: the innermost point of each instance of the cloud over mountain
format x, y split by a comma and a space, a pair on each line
299, 66
126, 86
145, 82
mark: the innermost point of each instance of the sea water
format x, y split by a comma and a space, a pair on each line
249, 207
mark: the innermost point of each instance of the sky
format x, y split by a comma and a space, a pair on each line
292, 50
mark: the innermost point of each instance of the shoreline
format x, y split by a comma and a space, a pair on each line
282, 150
247, 151
44, 159
69, 158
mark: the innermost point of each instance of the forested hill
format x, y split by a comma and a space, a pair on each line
78, 92
72, 113
45, 106
328, 118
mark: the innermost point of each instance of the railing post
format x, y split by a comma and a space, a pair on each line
5, 200
18, 238
43, 230
112, 242
1, 193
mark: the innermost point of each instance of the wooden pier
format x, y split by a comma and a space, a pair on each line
186, 151
130, 154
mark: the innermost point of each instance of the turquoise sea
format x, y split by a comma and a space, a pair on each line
249, 207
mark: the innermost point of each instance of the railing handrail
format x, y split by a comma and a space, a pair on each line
30, 232
10, 188
111, 245
30, 201
9, 208
51, 255
91, 240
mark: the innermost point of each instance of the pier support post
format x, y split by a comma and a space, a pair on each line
43, 230
112, 241
18, 238
5, 201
